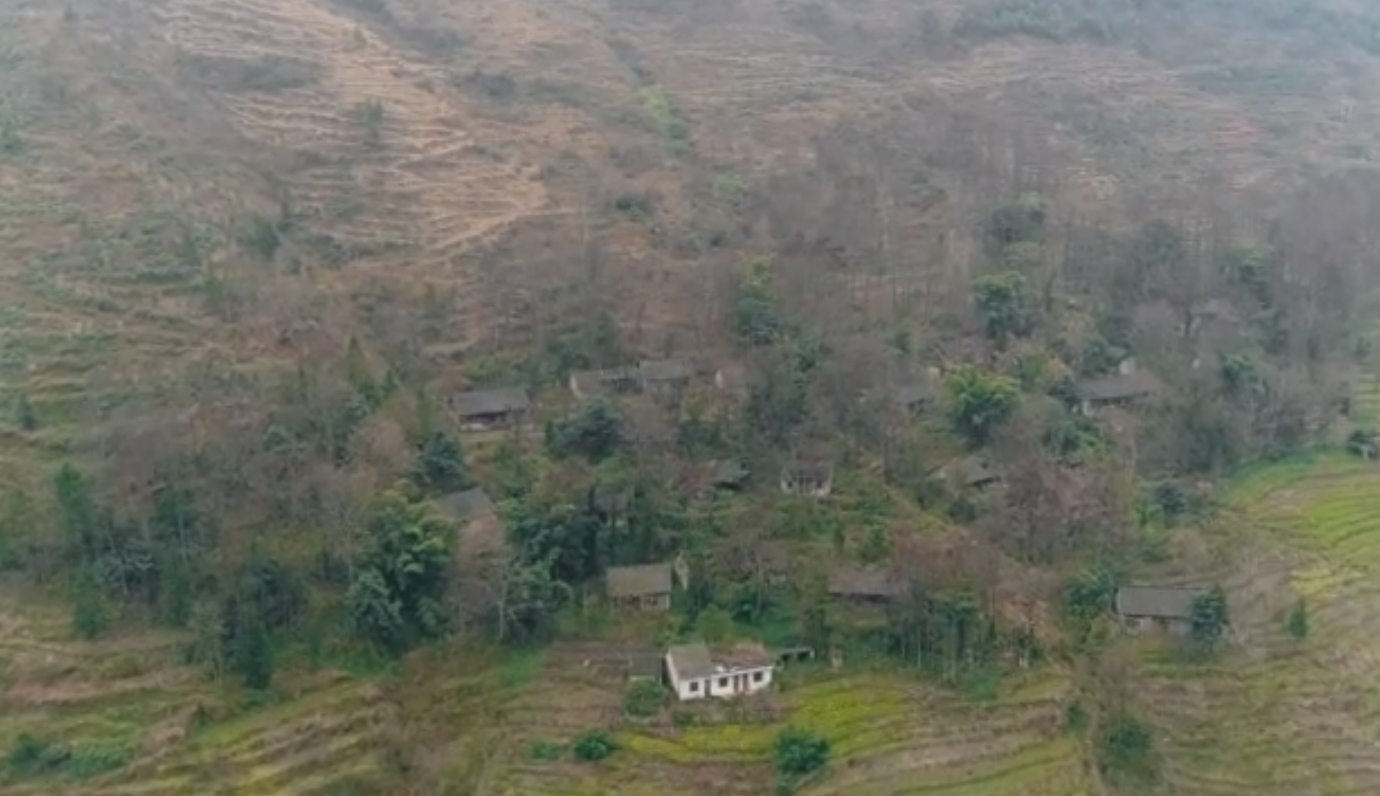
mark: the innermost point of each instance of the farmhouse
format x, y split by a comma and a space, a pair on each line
665, 374
1165, 609
647, 586
1129, 385
694, 674
811, 474
613, 381
865, 586
480, 410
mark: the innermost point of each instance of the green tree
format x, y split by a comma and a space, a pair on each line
24, 415
399, 590
440, 465
756, 320
979, 402
252, 654
594, 432
799, 752
89, 617
1209, 618
1297, 622
78, 511
1000, 298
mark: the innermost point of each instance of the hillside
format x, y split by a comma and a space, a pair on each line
247, 248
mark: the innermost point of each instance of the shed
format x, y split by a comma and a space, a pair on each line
975, 471
645, 665
481, 409
466, 504
665, 371
808, 474
1164, 608
642, 586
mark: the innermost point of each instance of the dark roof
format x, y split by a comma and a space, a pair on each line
665, 369
858, 582
639, 581
1156, 601
497, 401
465, 505
727, 471
811, 467
644, 664
691, 661
976, 471
1116, 388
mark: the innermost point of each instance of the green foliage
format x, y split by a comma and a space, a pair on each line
1021, 222
1076, 719
11, 141
644, 699
594, 432
799, 752
1126, 751
1090, 593
260, 235
637, 206
397, 596
1055, 20
1209, 619
656, 104
370, 116
1363, 442
251, 657
757, 321
87, 762
440, 465
1000, 298
31, 755
979, 402
545, 751
593, 746
1296, 624
89, 617
24, 415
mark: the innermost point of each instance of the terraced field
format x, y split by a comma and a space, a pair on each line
1275, 715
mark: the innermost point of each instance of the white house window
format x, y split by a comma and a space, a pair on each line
694, 686
723, 682
757, 677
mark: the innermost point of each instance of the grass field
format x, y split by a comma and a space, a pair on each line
1277, 715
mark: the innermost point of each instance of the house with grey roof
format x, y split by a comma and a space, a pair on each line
860, 585
645, 586
609, 381
1167, 609
466, 504
1130, 385
479, 410
696, 673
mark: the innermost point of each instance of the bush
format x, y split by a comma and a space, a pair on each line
545, 751
799, 753
30, 755
1126, 751
92, 761
644, 699
593, 746
1297, 623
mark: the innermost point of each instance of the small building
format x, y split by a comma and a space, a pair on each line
975, 472
1128, 386
731, 378
1160, 608
866, 586
466, 505
646, 586
644, 666
612, 381
811, 475
694, 673
480, 410
913, 391
665, 373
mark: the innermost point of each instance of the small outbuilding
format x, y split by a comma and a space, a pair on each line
809, 474
1130, 385
1158, 608
644, 587
864, 586
480, 410
694, 673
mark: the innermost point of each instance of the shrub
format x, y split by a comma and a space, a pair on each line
30, 755
545, 751
92, 761
799, 753
644, 699
593, 746
1126, 751
1297, 623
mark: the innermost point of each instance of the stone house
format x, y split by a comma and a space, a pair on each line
810, 474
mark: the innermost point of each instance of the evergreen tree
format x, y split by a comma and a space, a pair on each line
252, 656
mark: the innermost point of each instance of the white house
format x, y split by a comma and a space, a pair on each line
694, 674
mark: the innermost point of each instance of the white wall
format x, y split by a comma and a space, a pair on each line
727, 684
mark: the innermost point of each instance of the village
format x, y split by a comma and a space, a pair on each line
692, 669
